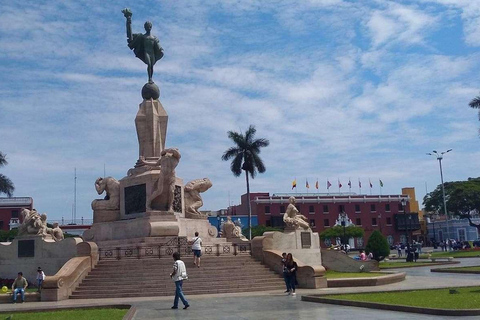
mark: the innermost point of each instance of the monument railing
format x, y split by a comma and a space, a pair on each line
164, 250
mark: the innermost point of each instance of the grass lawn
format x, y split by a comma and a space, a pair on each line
400, 264
85, 314
456, 254
474, 268
330, 274
467, 298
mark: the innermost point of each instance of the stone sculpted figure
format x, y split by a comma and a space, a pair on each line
163, 194
145, 46
112, 199
292, 217
231, 230
32, 223
193, 200
56, 232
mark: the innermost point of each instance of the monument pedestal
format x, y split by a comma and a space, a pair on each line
151, 123
134, 191
304, 245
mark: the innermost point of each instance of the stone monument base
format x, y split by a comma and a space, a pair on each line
152, 224
304, 245
27, 253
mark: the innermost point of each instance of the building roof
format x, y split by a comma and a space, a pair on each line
16, 201
324, 198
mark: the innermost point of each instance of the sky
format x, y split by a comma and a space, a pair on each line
341, 89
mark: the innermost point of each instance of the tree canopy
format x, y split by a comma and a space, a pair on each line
462, 197
245, 152
337, 232
6, 185
378, 245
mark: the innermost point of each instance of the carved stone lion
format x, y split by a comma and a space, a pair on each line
112, 200
32, 223
193, 200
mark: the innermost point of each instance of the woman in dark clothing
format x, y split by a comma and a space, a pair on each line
291, 275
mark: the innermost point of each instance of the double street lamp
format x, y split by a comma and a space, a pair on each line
439, 156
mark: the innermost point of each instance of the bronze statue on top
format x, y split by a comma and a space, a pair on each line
146, 48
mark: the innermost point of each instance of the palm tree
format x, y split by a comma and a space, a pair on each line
245, 157
475, 103
6, 185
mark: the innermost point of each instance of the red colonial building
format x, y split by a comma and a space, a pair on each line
386, 213
10, 211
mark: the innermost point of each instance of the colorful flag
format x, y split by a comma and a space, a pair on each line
294, 184
349, 183
371, 185
328, 184
381, 183
316, 185
339, 183
306, 184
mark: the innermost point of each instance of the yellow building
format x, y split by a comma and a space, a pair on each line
414, 207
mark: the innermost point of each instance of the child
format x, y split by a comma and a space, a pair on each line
40, 278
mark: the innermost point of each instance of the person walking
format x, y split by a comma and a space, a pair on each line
40, 278
292, 267
179, 274
399, 250
196, 249
19, 286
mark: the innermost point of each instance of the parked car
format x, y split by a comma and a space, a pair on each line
476, 243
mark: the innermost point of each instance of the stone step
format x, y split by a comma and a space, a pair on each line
145, 293
205, 263
171, 285
155, 269
205, 258
159, 282
193, 275
166, 275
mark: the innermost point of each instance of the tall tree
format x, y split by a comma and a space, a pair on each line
6, 185
245, 155
462, 197
475, 103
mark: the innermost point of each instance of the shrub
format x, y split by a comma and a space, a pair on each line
378, 245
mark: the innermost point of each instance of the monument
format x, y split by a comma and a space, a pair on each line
297, 239
151, 201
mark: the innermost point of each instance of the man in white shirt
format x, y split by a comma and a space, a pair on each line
179, 274
196, 249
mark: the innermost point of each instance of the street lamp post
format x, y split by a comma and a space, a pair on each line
439, 157
343, 217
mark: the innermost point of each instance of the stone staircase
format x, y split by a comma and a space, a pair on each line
150, 277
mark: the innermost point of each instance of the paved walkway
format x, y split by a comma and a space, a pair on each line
274, 305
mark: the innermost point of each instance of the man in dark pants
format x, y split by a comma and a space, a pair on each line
179, 274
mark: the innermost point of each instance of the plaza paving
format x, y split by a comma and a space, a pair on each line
275, 305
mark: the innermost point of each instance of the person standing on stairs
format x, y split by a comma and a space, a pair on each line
196, 249
292, 267
179, 274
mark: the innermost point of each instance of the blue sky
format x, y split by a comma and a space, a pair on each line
342, 89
